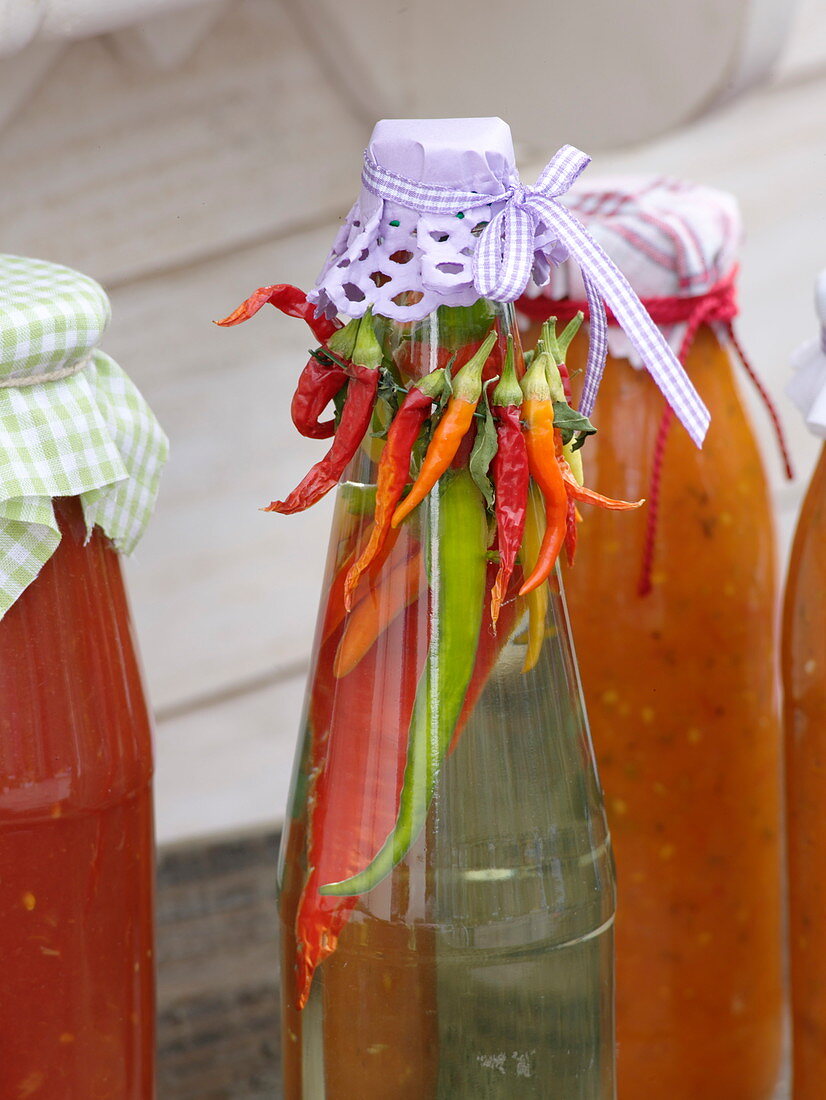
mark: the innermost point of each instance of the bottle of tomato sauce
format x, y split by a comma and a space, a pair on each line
804, 683
673, 611
80, 458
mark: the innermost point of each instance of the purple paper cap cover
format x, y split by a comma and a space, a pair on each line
404, 264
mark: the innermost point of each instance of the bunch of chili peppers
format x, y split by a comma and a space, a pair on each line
491, 443
538, 435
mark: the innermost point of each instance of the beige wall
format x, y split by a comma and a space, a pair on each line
183, 189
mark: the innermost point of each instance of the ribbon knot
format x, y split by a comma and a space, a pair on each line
505, 256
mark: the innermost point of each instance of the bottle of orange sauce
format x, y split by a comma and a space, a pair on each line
804, 683
673, 613
80, 457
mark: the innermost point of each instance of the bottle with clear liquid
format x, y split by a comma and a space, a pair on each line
481, 964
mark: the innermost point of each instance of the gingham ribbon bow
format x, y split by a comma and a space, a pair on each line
504, 259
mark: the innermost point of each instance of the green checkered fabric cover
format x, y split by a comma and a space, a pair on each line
88, 434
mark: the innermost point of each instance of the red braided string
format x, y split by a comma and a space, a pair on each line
718, 304
706, 308
662, 311
652, 518
767, 401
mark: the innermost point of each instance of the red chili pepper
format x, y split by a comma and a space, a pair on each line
357, 757
511, 478
290, 300
320, 381
355, 420
318, 384
394, 468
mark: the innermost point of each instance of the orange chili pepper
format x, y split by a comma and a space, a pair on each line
588, 496
373, 614
336, 608
542, 441
451, 429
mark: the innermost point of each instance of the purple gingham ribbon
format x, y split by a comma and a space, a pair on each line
504, 259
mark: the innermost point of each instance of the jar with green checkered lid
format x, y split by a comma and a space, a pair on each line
80, 460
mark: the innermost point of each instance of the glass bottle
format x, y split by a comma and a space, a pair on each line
481, 966
681, 691
804, 659
76, 838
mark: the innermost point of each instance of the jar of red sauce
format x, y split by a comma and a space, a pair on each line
80, 455
673, 611
804, 684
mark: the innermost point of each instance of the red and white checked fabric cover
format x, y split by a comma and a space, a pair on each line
670, 238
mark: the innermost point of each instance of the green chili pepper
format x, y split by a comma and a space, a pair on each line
458, 565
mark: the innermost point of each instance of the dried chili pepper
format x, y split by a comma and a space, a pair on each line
571, 531
318, 384
511, 478
355, 420
542, 440
394, 468
320, 381
456, 619
451, 429
321, 378
290, 300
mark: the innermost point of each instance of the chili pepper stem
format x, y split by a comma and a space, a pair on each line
343, 341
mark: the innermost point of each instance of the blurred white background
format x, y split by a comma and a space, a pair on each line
185, 153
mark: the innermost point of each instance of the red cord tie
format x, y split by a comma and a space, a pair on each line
717, 305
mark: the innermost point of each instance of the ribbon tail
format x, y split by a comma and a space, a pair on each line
649, 342
504, 256
487, 259
561, 171
597, 347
